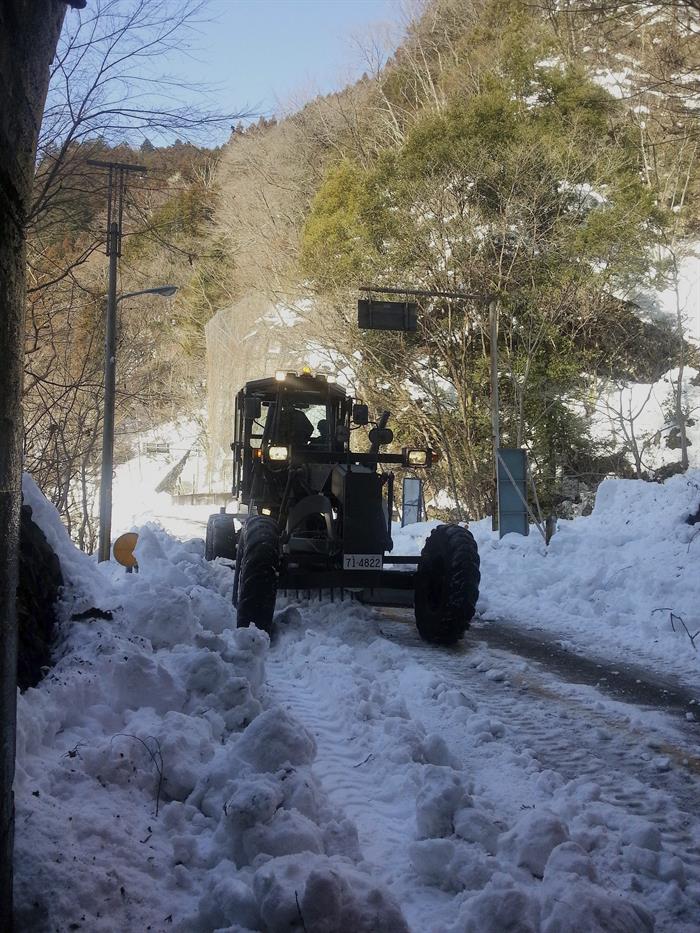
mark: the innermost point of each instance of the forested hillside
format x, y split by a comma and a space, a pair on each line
543, 153
166, 223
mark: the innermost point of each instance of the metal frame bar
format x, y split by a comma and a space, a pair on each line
343, 457
421, 293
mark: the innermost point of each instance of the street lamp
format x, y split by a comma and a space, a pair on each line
167, 291
105, 533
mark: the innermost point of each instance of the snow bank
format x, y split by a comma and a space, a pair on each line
80, 574
175, 772
157, 786
611, 579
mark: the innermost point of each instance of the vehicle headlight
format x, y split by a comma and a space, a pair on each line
417, 457
280, 375
278, 453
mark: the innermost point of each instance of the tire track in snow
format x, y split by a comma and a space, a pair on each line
605, 722
355, 776
341, 760
576, 733
590, 729
551, 726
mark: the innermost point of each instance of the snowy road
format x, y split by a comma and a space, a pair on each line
617, 783
624, 680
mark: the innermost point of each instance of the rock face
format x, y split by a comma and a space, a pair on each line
28, 38
39, 582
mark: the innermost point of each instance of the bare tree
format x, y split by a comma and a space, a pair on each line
104, 88
623, 416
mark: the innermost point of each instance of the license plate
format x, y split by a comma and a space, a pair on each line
362, 561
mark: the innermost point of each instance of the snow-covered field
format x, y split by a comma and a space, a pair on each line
175, 772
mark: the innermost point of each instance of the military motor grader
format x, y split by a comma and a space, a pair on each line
319, 513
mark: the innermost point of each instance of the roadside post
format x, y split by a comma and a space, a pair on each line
512, 491
117, 177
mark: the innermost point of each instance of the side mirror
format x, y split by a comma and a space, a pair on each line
379, 437
360, 414
252, 408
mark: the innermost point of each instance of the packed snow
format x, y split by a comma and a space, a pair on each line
175, 772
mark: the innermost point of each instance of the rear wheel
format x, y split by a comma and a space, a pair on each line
221, 537
447, 584
257, 570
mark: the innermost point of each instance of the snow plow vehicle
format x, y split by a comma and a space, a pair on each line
319, 513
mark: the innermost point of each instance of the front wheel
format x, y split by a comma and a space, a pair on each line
257, 572
447, 584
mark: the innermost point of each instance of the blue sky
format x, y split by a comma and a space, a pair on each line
263, 54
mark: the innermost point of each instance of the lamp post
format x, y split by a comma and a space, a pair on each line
105, 532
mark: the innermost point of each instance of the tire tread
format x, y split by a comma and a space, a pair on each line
455, 546
258, 573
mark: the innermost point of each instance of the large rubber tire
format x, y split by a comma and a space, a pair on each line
221, 537
240, 551
447, 585
258, 573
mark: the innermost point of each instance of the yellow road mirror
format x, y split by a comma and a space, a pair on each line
124, 549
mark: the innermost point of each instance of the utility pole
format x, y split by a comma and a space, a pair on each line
495, 427
107, 467
116, 190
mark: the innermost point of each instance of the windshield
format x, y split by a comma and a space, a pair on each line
258, 429
297, 423
318, 416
